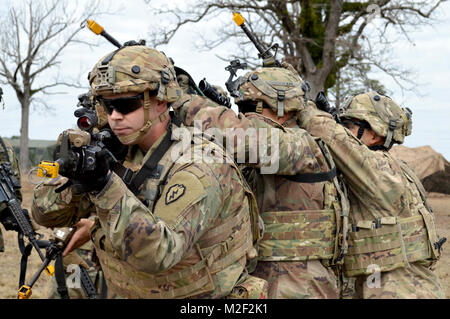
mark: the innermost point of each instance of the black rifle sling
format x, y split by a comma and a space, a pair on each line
123, 172
60, 277
126, 174
26, 251
150, 167
312, 177
316, 177
87, 284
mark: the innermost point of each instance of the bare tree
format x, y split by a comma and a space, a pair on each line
33, 37
327, 41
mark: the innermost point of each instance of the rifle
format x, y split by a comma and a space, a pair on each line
54, 249
212, 93
77, 149
264, 53
268, 58
323, 104
87, 117
13, 217
233, 86
78, 156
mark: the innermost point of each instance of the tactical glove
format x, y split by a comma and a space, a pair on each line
94, 180
84, 181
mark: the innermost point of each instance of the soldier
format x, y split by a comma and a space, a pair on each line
7, 155
180, 228
392, 240
302, 214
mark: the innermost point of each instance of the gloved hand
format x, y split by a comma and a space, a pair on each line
322, 102
93, 180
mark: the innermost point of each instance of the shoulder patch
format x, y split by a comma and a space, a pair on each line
174, 193
183, 190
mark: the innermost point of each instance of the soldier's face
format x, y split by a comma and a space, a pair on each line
369, 137
125, 124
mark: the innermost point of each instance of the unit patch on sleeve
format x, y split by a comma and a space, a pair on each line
182, 191
174, 193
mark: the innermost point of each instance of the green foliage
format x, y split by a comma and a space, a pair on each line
312, 27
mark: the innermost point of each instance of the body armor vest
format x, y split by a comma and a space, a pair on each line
394, 242
303, 221
219, 248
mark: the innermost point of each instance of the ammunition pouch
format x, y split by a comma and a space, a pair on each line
303, 234
390, 243
394, 242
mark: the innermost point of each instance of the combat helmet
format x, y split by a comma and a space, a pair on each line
137, 69
384, 116
277, 88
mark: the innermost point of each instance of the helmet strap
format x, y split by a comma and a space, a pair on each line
280, 102
378, 148
390, 134
361, 130
259, 107
165, 78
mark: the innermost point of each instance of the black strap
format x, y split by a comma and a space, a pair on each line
60, 277
26, 251
312, 177
123, 172
378, 148
150, 167
104, 288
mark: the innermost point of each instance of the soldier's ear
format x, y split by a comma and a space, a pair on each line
374, 138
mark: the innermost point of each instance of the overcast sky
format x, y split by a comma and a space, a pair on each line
428, 56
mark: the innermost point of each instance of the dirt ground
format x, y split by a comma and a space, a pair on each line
10, 259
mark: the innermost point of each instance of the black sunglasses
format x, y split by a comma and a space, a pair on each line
123, 105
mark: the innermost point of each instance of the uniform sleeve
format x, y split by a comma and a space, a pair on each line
155, 242
51, 209
14, 165
274, 150
14, 162
370, 174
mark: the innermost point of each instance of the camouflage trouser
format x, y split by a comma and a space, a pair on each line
414, 282
298, 279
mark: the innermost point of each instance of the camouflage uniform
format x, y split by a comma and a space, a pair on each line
392, 227
7, 155
302, 220
188, 231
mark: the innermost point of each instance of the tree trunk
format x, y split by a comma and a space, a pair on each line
317, 85
24, 151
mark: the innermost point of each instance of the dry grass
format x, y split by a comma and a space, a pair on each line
10, 259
